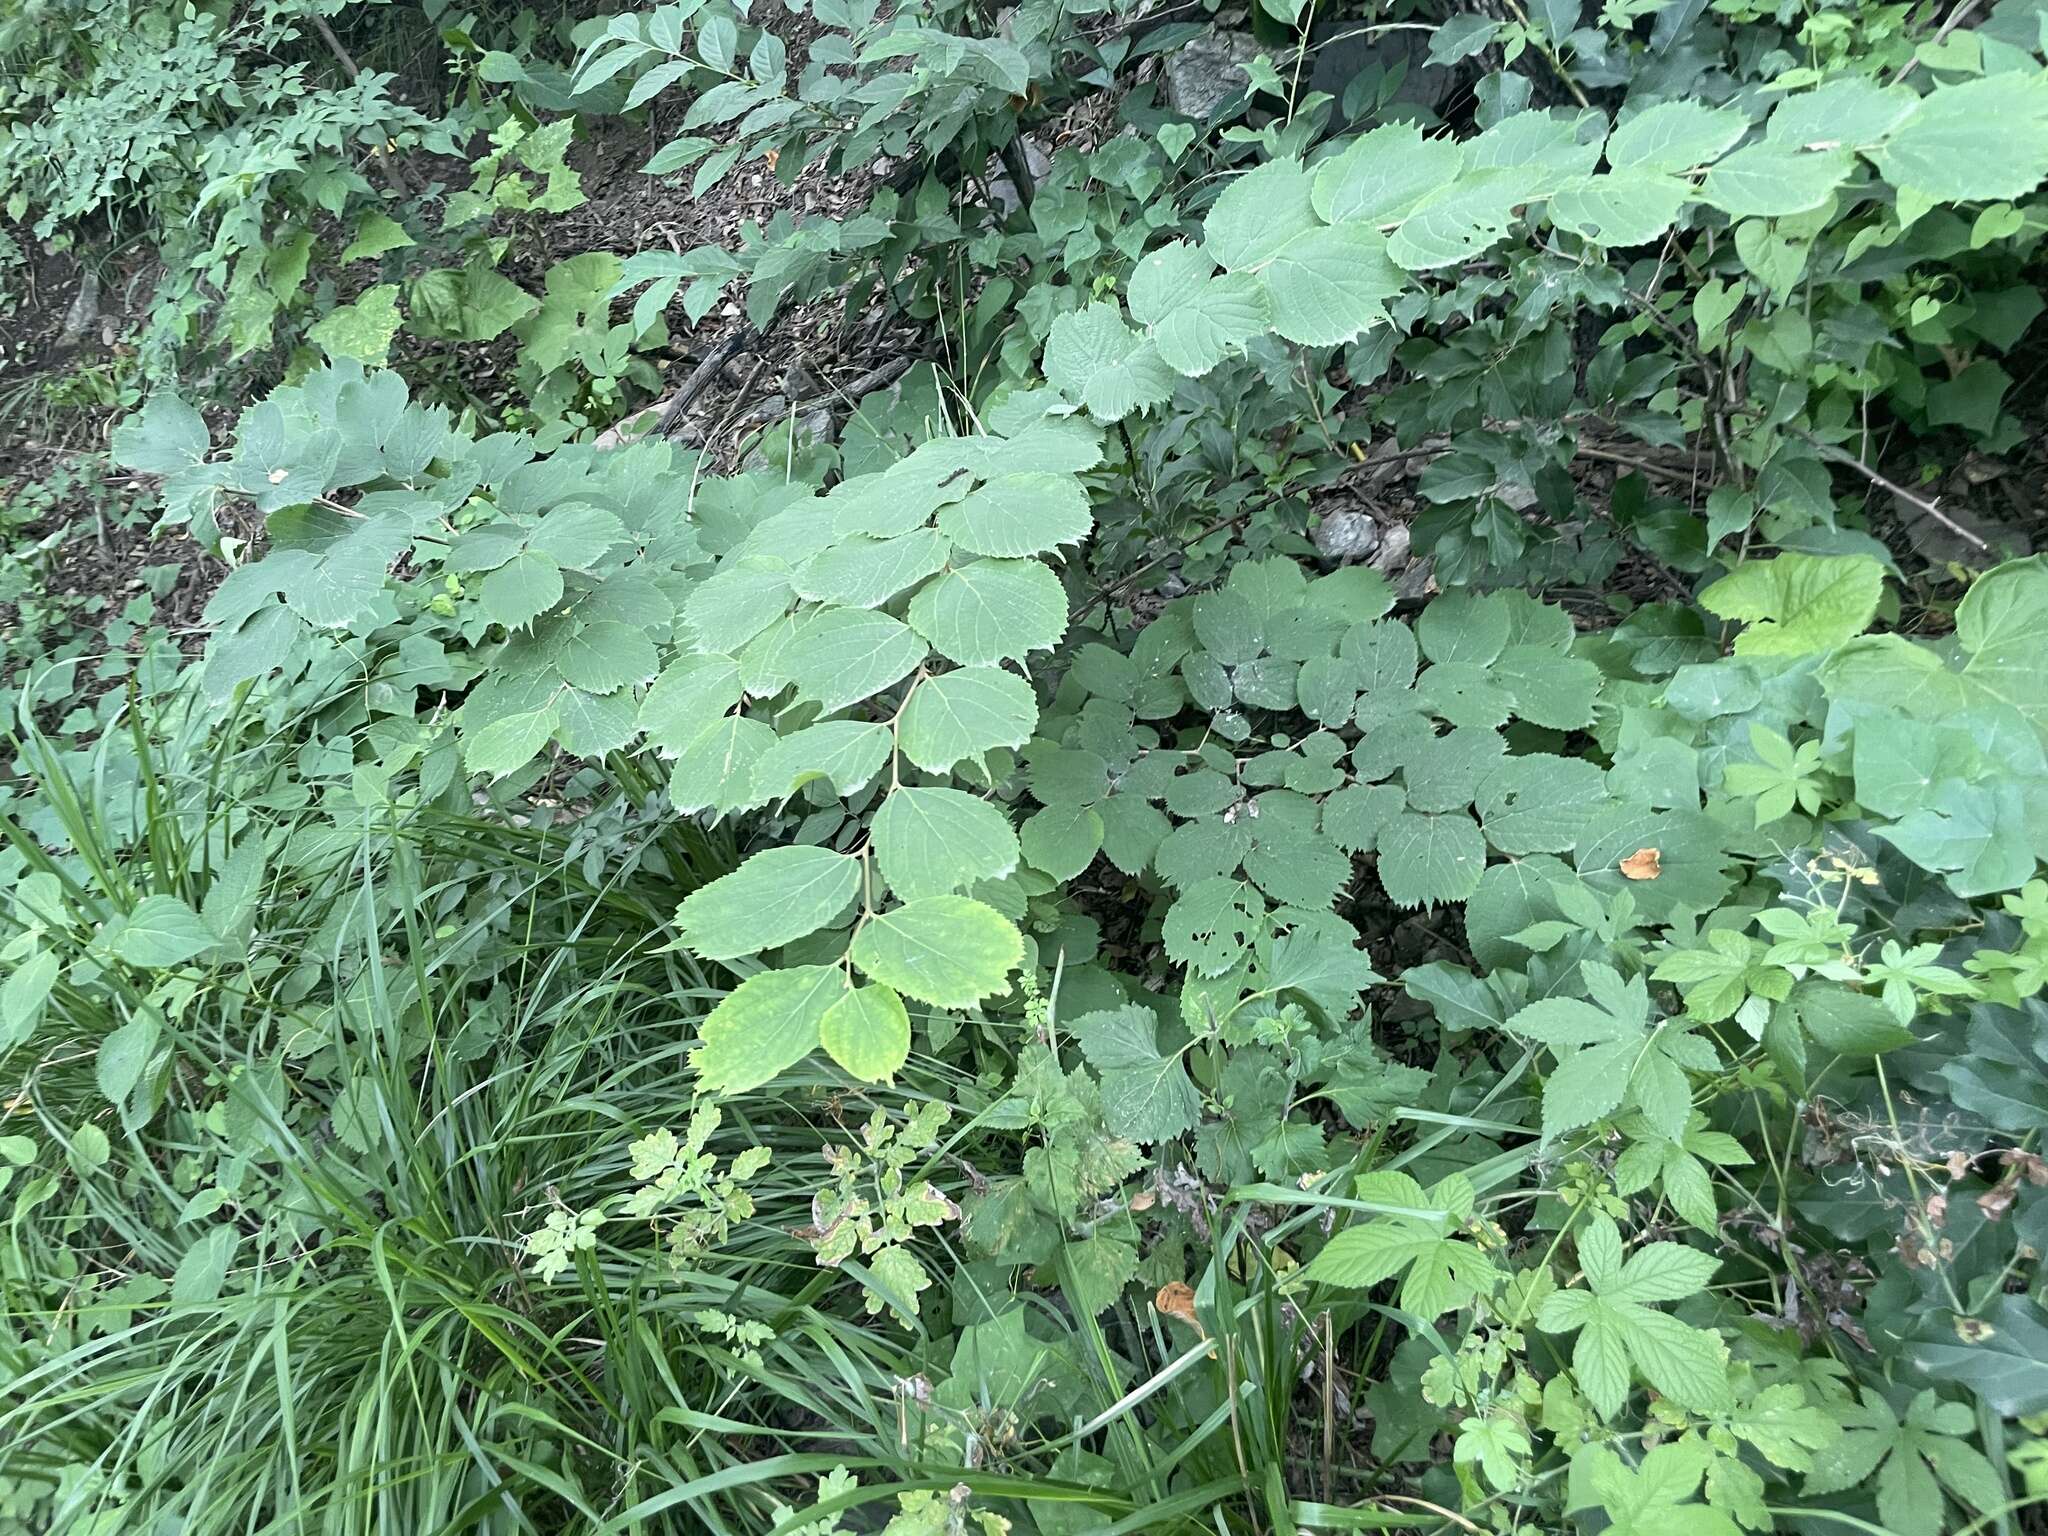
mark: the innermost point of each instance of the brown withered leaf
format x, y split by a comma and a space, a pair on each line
1643, 864
1176, 1298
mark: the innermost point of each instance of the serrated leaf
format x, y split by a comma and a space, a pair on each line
840, 656
778, 895
1328, 284
1020, 514
847, 753
764, 1026
1429, 860
1258, 213
929, 842
160, 933
1062, 840
606, 656
1383, 174
1146, 1095
1774, 181
1796, 605
1674, 136
867, 1031
948, 951
1617, 209
991, 611
860, 572
521, 590
965, 714
1211, 926
1094, 358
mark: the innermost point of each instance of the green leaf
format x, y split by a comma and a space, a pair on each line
1674, 136
1617, 209
362, 330
991, 611
778, 895
608, 655
1775, 181
1443, 1272
1020, 514
203, 1271
846, 753
376, 233
929, 842
1062, 840
1382, 175
1196, 319
948, 951
1429, 860
860, 572
123, 1055
966, 714
765, 1025
165, 436
1146, 1094
1095, 359
840, 656
1796, 605
1329, 284
867, 1032
1972, 141
160, 933
522, 589
1211, 926
1257, 214
1618, 1330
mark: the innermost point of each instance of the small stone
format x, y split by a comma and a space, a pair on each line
1208, 71
1347, 536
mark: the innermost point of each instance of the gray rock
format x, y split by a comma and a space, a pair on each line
1208, 71
1347, 536
1003, 189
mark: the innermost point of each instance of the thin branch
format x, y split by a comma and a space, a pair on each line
1836, 455
1956, 18
346, 60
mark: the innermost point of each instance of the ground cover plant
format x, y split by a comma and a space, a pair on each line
1093, 770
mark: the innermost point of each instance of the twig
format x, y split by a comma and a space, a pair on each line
1836, 455
346, 60
1956, 18
1543, 47
701, 376
1123, 584
874, 379
1019, 166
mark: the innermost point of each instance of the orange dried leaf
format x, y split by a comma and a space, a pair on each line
1643, 864
1176, 1298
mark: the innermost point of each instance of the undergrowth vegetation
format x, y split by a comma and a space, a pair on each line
1330, 818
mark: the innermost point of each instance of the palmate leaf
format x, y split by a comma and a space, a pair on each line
1620, 1333
948, 951
778, 895
1443, 1272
